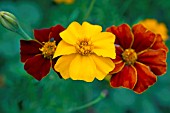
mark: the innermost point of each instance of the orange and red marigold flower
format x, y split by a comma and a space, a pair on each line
156, 27
140, 57
37, 54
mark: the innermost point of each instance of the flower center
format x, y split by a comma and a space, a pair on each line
48, 49
84, 47
129, 56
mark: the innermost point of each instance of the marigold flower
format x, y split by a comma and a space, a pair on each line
156, 27
37, 54
86, 52
140, 57
64, 1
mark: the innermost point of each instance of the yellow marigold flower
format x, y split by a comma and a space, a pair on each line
158, 28
64, 1
86, 52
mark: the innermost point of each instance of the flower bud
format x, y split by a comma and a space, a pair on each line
9, 21
104, 93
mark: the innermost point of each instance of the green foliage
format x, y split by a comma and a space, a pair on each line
21, 93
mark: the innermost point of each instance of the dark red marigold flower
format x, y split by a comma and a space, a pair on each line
141, 57
37, 54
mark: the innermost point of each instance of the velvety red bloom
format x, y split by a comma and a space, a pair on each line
141, 57
37, 54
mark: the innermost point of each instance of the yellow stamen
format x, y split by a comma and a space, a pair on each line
84, 47
129, 56
48, 49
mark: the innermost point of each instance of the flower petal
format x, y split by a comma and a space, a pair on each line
159, 43
64, 48
124, 36
91, 30
29, 49
119, 52
38, 66
156, 27
55, 31
42, 35
143, 39
82, 68
104, 45
118, 67
103, 66
127, 77
145, 78
53, 63
72, 33
63, 64
155, 59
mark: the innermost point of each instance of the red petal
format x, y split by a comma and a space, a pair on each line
29, 49
159, 43
118, 67
42, 35
127, 77
143, 39
55, 31
38, 66
145, 78
155, 59
119, 52
124, 36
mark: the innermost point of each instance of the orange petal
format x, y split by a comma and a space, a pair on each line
119, 52
159, 43
73, 33
64, 48
155, 59
127, 77
124, 36
82, 68
91, 30
143, 39
103, 44
63, 64
118, 67
145, 78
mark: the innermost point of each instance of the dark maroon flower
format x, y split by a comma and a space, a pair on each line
37, 54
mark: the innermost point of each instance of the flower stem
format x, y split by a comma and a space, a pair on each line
89, 10
23, 33
102, 95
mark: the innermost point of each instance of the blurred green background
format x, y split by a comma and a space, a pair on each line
21, 93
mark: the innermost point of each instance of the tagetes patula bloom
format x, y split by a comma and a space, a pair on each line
64, 1
85, 52
37, 54
140, 57
156, 27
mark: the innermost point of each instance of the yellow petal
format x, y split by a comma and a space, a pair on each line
91, 30
63, 64
82, 68
104, 45
72, 33
64, 48
103, 66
